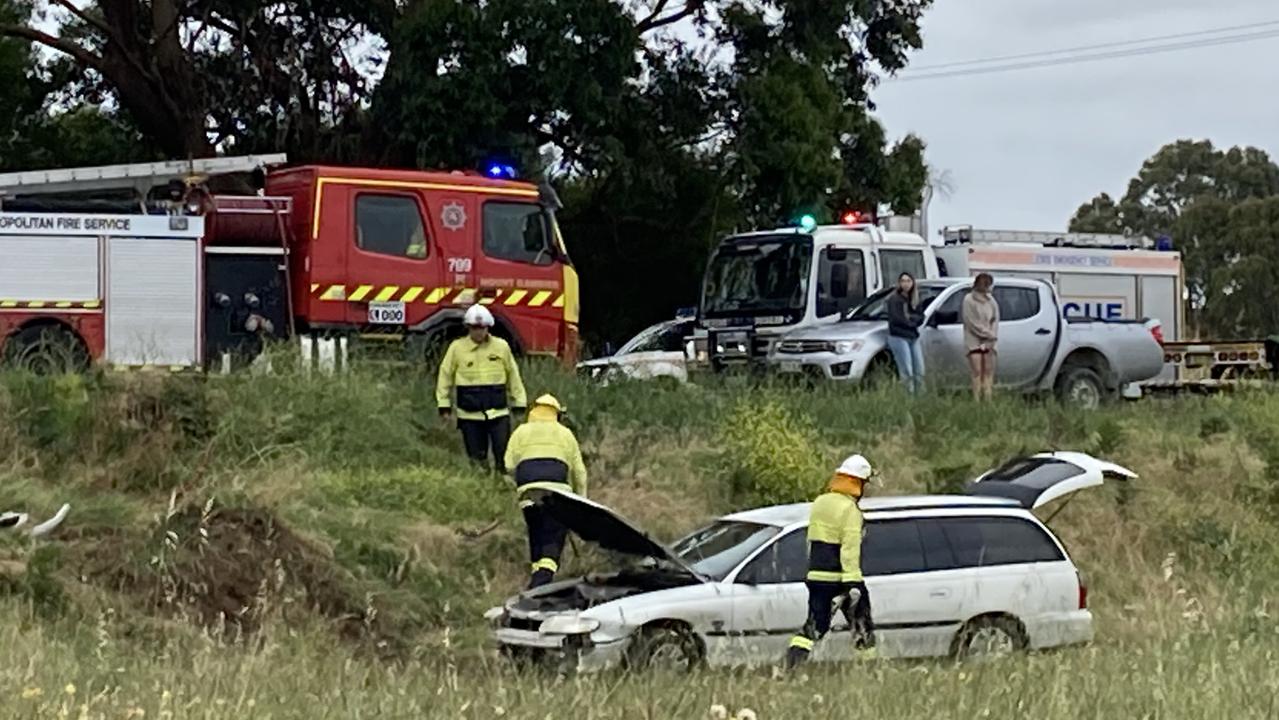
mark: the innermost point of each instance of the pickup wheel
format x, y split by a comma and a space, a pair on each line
1081, 386
882, 371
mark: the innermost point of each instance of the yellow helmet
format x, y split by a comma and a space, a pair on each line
549, 401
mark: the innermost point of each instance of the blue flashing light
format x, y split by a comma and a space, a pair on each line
500, 171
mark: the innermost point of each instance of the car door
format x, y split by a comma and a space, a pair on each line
915, 594
945, 357
1027, 328
1011, 566
769, 600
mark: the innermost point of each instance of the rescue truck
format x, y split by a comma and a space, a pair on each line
1113, 278
761, 285
151, 265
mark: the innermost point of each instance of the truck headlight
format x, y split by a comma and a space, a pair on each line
844, 347
568, 625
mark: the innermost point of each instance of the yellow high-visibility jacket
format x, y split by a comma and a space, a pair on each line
484, 378
543, 453
835, 539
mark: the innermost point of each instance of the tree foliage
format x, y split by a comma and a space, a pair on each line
1220, 209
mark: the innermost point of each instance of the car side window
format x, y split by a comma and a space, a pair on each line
982, 542
892, 547
951, 311
938, 554
785, 561
389, 225
1016, 303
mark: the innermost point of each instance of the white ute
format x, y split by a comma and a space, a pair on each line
949, 575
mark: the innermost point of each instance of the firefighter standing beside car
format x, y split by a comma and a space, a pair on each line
479, 384
544, 454
834, 564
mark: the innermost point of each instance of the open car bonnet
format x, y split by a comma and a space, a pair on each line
597, 524
1037, 480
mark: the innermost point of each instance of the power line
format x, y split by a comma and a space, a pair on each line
1102, 46
1132, 52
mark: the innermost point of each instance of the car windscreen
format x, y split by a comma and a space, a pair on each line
759, 275
715, 550
876, 306
659, 338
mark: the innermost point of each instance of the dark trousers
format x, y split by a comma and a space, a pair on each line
823, 599
546, 538
479, 435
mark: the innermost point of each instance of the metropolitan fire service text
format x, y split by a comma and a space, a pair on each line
30, 222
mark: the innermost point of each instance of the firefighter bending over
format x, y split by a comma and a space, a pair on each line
545, 454
480, 371
834, 564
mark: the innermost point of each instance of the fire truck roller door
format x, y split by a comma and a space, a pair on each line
153, 310
39, 272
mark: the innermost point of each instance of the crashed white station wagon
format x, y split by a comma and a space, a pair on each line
948, 575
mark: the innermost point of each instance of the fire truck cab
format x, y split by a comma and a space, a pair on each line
150, 265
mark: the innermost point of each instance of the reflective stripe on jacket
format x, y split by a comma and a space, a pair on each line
483, 377
835, 539
544, 453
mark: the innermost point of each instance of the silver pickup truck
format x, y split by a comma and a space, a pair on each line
1082, 361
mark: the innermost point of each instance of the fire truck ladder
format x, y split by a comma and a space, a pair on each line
140, 177
967, 235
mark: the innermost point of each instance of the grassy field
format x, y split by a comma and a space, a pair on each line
290, 546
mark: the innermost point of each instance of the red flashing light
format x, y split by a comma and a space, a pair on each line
851, 217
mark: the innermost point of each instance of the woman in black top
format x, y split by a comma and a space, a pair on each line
904, 318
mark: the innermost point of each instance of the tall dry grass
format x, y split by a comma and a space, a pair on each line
381, 542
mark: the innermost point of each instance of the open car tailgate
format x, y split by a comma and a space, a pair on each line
1037, 480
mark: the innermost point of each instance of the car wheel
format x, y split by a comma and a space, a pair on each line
1081, 387
989, 638
664, 649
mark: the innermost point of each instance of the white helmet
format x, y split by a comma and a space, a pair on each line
856, 466
478, 315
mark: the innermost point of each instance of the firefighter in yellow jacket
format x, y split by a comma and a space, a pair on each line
480, 371
834, 564
545, 454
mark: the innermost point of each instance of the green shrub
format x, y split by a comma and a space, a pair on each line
770, 453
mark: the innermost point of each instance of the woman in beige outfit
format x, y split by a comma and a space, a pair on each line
981, 332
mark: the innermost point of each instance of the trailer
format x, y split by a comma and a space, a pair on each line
1112, 277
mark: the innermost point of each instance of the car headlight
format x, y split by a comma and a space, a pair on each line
568, 625
844, 347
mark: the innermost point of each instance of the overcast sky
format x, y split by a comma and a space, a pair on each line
1024, 149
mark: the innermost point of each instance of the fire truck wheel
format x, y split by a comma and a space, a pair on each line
46, 350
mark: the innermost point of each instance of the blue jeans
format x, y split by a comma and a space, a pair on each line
909, 358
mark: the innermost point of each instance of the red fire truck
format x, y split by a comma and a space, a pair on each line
150, 265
